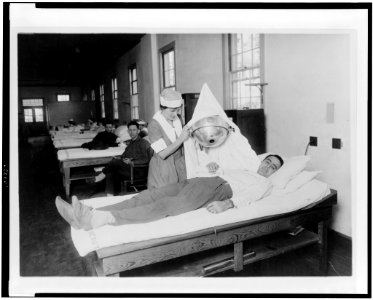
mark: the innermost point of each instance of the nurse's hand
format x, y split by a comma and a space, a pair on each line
219, 206
184, 134
212, 167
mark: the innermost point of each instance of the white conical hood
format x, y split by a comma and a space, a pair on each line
207, 105
234, 153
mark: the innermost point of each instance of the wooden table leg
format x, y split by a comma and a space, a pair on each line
238, 257
323, 247
66, 178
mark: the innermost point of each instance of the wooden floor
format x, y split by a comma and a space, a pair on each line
46, 247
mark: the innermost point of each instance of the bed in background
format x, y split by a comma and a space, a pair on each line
79, 157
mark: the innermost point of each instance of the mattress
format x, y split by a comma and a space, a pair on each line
108, 235
70, 143
80, 153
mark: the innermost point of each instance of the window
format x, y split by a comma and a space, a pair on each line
114, 93
32, 102
133, 80
34, 111
168, 68
93, 95
102, 100
134, 92
245, 70
63, 97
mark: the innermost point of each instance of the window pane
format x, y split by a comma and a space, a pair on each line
172, 77
238, 43
247, 59
171, 60
103, 109
256, 57
256, 72
28, 111
28, 115
134, 77
32, 102
63, 97
246, 42
134, 87
28, 119
256, 40
167, 79
39, 115
165, 61
255, 91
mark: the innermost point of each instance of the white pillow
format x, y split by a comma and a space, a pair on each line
299, 180
290, 168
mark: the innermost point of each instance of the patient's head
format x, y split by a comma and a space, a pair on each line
270, 165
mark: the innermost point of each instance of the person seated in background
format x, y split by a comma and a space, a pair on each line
103, 140
138, 152
214, 193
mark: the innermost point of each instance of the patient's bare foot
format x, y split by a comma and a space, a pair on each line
66, 212
82, 213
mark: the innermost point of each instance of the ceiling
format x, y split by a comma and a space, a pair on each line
69, 59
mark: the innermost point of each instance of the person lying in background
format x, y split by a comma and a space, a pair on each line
137, 152
103, 140
214, 193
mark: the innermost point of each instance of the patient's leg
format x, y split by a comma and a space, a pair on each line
194, 194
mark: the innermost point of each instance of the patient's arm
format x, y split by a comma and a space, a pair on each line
219, 206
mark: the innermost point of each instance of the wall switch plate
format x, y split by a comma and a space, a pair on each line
313, 141
336, 143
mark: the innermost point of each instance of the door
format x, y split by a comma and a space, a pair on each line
34, 117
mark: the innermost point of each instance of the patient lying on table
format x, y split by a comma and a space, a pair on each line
214, 193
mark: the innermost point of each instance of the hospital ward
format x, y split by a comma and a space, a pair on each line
185, 155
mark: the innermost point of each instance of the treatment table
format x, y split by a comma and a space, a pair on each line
247, 242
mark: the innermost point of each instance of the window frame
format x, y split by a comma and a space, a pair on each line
135, 109
102, 100
114, 96
63, 94
131, 80
33, 108
239, 73
163, 51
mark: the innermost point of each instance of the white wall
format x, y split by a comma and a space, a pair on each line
305, 72
199, 59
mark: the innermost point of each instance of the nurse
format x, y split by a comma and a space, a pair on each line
166, 136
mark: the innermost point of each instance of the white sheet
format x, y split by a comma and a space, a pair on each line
70, 143
77, 153
73, 135
87, 241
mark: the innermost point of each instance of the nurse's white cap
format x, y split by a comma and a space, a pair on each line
170, 98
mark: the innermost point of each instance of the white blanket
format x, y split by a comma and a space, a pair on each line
70, 143
77, 153
87, 241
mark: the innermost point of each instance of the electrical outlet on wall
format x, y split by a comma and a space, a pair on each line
313, 141
336, 143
